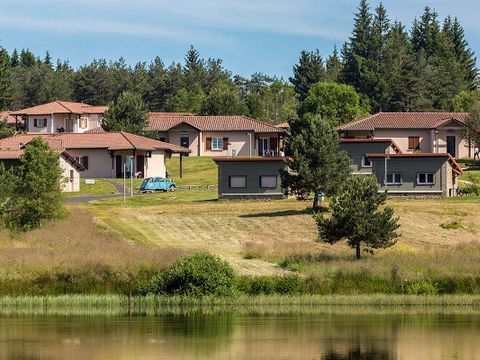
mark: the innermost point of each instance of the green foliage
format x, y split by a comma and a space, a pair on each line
5, 130
316, 163
33, 191
223, 99
128, 114
5, 80
472, 124
466, 101
188, 100
356, 217
196, 275
338, 103
309, 70
452, 225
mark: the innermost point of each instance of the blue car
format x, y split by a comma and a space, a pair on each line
157, 183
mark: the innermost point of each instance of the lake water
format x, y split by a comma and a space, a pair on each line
235, 336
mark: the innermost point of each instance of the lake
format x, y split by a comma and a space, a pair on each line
239, 336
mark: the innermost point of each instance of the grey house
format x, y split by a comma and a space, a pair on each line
414, 174
257, 177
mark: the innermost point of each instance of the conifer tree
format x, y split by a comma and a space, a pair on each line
309, 70
5, 80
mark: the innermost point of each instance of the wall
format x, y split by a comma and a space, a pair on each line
59, 121
253, 171
237, 140
99, 162
69, 185
400, 137
461, 144
155, 165
408, 168
357, 152
30, 122
175, 134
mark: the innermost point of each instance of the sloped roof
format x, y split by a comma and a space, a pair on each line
94, 130
403, 120
10, 154
16, 154
61, 107
167, 121
106, 140
285, 125
449, 157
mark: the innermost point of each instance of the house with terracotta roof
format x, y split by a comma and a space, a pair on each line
60, 116
106, 154
225, 135
71, 168
427, 132
401, 173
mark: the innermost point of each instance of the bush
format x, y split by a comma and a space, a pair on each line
290, 285
196, 275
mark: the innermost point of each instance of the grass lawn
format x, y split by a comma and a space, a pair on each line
101, 187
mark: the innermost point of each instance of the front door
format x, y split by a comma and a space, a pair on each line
69, 125
118, 167
451, 146
185, 141
140, 165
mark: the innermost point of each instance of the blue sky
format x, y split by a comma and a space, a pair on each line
249, 35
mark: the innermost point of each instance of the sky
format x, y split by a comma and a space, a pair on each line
248, 35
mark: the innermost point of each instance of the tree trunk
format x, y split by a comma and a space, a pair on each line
315, 201
357, 250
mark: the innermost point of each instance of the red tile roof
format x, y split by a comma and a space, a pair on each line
452, 161
4, 115
16, 154
105, 140
61, 107
403, 120
167, 121
285, 125
10, 154
94, 130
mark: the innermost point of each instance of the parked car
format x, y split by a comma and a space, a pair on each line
157, 183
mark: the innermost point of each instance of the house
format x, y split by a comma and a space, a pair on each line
71, 168
12, 122
427, 132
61, 116
257, 177
106, 154
225, 135
412, 174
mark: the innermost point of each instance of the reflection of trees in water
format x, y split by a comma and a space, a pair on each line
360, 355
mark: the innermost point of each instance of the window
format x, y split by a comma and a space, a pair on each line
83, 160
414, 143
268, 181
425, 179
394, 179
238, 181
83, 122
72, 175
217, 143
366, 162
39, 123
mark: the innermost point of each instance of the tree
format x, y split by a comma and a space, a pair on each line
355, 216
128, 113
333, 67
338, 103
315, 160
309, 70
224, 99
194, 68
472, 125
188, 100
33, 191
466, 100
5, 130
5, 80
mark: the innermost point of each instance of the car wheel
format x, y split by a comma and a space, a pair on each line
172, 188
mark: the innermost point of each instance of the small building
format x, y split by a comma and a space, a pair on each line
427, 132
107, 154
225, 135
70, 166
247, 178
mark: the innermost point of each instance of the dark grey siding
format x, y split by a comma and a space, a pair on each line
357, 151
409, 167
252, 170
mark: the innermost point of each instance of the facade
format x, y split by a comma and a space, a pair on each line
428, 132
414, 174
218, 135
108, 154
61, 116
70, 166
250, 177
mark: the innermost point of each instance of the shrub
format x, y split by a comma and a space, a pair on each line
196, 275
258, 285
452, 225
290, 285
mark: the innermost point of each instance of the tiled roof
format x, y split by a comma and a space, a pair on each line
94, 130
166, 121
61, 107
10, 119
105, 140
10, 154
285, 125
16, 154
403, 120
450, 158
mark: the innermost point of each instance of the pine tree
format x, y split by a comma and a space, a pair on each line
309, 70
5, 80
156, 96
15, 59
333, 66
194, 68
128, 113
358, 215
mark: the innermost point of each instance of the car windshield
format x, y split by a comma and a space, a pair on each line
145, 181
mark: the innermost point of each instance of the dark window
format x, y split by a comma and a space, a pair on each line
268, 181
366, 162
414, 143
425, 179
238, 182
394, 179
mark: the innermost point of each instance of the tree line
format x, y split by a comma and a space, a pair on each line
381, 67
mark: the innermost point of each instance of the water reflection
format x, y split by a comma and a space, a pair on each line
233, 336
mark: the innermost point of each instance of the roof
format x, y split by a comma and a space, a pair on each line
16, 154
95, 130
394, 145
285, 125
245, 159
404, 120
10, 154
106, 140
10, 119
451, 160
61, 107
167, 121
